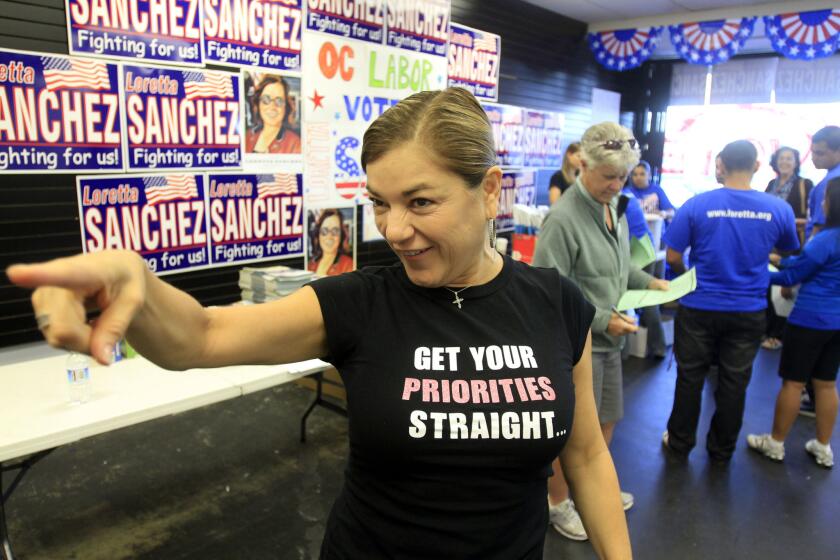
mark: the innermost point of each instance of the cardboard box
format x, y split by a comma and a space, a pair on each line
637, 341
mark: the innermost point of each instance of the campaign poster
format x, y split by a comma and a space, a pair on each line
271, 113
347, 84
421, 26
504, 216
363, 20
473, 61
180, 119
508, 133
331, 240
58, 114
161, 217
543, 138
525, 181
369, 230
253, 33
254, 217
162, 31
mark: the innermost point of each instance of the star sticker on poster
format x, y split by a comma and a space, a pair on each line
317, 100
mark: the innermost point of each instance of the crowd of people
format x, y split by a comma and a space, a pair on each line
478, 386
729, 235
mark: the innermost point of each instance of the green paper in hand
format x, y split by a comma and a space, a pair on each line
641, 251
680, 286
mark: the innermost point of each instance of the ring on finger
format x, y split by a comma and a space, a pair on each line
43, 321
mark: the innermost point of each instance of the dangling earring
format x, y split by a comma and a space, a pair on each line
491, 231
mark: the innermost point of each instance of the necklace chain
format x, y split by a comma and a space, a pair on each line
458, 299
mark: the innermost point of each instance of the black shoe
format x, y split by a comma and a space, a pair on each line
670, 451
719, 461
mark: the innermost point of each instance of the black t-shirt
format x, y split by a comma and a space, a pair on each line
454, 414
559, 180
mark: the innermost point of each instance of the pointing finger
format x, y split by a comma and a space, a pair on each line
74, 273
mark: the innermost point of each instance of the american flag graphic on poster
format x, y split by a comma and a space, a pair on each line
279, 183
163, 188
199, 85
624, 49
711, 42
75, 73
349, 177
804, 35
484, 42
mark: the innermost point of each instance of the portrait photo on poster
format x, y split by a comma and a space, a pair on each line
331, 245
271, 120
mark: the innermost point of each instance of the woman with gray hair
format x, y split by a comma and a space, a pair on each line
585, 237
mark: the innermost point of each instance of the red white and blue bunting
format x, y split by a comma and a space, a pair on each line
624, 49
804, 35
711, 42
797, 35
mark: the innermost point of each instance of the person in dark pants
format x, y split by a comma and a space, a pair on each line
731, 231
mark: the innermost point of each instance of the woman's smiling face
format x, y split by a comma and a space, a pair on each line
433, 220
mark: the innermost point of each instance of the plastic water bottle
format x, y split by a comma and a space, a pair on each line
78, 378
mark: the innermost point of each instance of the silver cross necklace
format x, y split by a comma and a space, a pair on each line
458, 299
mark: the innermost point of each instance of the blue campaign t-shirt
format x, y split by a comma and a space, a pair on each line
653, 199
816, 217
636, 222
818, 270
731, 233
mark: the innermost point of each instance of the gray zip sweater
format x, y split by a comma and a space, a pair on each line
575, 240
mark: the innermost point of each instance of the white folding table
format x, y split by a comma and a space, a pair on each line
36, 416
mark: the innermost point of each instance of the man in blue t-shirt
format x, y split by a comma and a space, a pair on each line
731, 232
825, 153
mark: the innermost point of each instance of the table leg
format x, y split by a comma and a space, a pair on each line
22, 467
318, 388
6, 550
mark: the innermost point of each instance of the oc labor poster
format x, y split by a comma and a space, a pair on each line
161, 217
58, 114
346, 85
159, 31
179, 119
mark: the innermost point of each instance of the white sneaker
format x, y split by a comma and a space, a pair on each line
822, 453
626, 500
767, 446
565, 519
